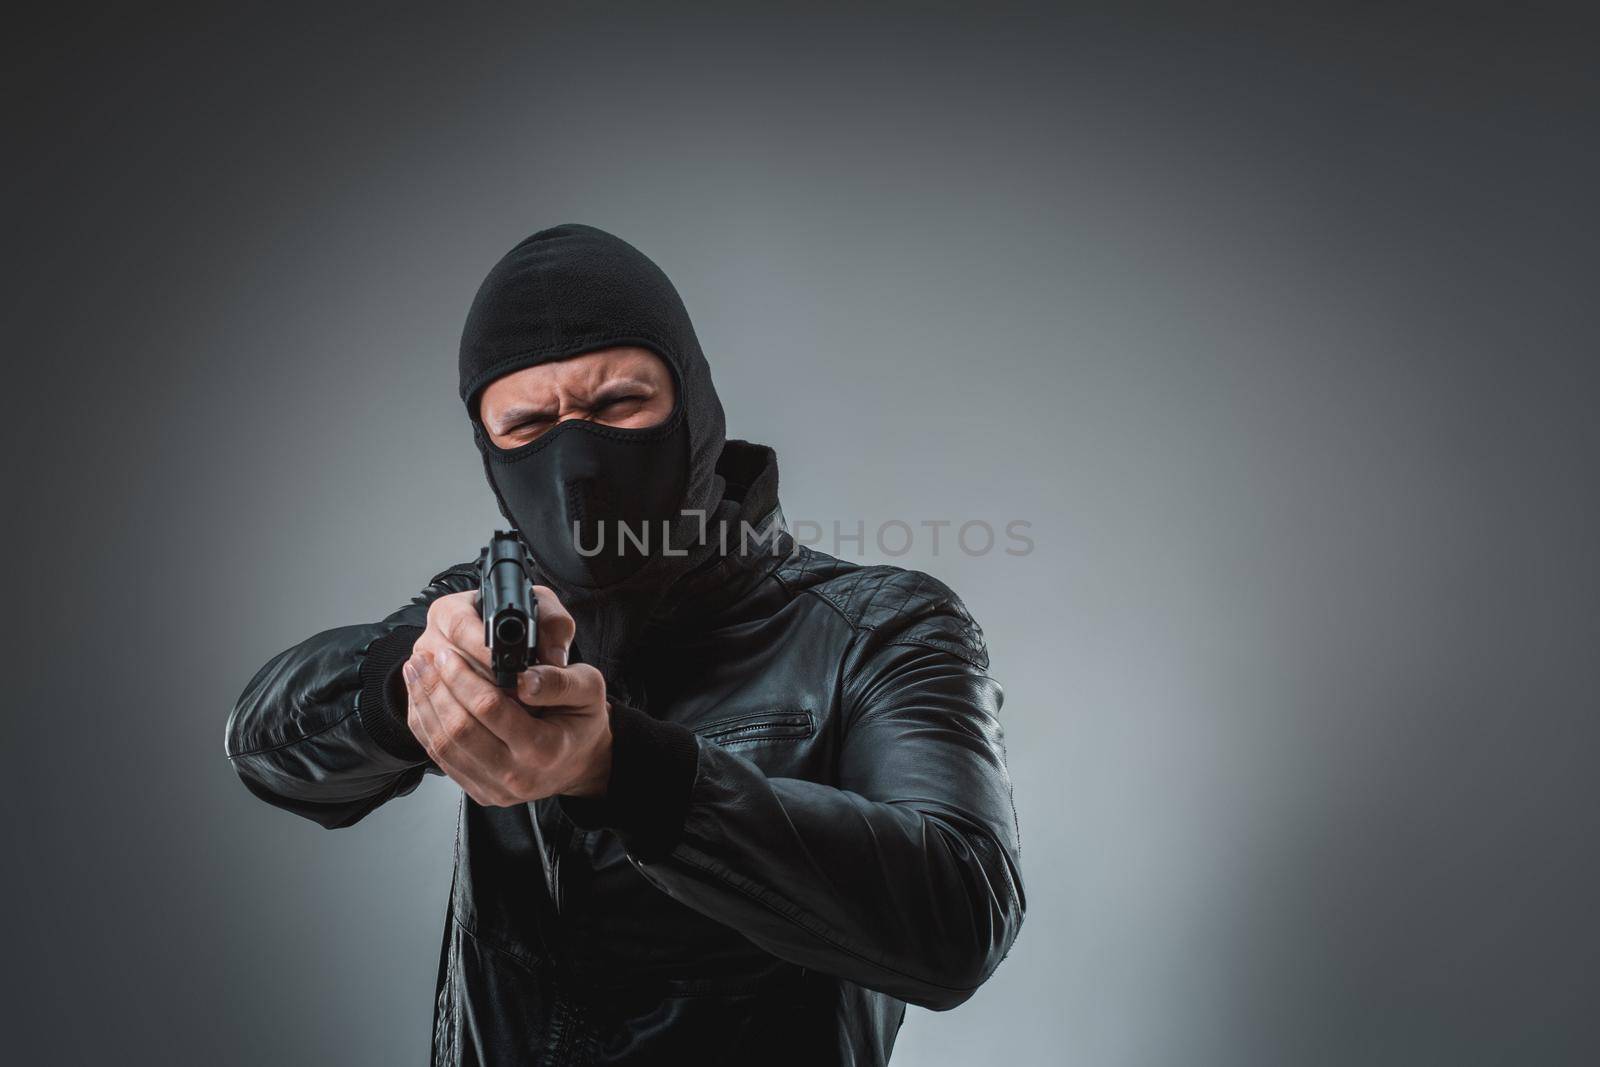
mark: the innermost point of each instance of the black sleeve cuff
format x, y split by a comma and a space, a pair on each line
653, 766
382, 703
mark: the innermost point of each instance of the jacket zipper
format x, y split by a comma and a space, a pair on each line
759, 726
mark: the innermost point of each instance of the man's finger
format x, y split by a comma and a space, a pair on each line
457, 735
460, 768
463, 629
419, 712
553, 643
435, 644
493, 707
424, 722
576, 686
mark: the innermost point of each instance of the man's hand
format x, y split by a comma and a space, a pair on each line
552, 736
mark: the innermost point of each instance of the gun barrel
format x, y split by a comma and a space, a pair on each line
510, 629
508, 606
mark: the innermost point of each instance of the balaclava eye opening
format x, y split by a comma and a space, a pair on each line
596, 500
562, 292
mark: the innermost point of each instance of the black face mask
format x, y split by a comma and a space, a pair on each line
595, 503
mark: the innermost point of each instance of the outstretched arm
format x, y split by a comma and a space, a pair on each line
321, 729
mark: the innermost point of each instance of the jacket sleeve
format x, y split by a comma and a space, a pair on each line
904, 878
321, 729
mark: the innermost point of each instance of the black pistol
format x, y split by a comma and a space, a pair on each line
510, 611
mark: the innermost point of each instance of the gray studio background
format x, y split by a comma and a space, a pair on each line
1278, 328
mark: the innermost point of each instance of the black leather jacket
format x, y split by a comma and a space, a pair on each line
848, 843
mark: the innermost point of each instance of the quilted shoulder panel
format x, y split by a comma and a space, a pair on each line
906, 606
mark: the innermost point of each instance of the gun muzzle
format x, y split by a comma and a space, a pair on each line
509, 608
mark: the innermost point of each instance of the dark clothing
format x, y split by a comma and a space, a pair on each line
809, 821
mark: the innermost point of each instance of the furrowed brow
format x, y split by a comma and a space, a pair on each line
622, 386
513, 417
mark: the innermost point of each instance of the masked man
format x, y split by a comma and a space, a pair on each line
752, 800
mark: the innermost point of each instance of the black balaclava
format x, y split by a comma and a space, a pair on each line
564, 291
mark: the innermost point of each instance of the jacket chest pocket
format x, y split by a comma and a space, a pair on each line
758, 727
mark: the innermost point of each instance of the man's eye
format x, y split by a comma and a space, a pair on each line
614, 401
527, 425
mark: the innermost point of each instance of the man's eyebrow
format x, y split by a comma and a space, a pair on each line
516, 416
623, 385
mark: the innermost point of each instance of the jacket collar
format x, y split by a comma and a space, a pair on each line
750, 531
